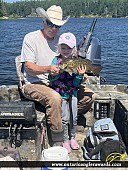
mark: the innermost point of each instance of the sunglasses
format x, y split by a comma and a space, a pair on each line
50, 24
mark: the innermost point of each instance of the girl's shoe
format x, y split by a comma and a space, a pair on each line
66, 145
74, 145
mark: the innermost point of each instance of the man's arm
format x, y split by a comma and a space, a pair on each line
37, 69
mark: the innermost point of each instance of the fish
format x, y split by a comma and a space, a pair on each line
70, 65
113, 156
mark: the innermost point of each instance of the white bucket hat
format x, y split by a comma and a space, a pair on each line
53, 14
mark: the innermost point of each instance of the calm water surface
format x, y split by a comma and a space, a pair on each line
112, 33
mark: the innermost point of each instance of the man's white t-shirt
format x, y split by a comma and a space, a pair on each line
40, 51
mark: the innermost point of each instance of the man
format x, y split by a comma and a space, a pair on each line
38, 50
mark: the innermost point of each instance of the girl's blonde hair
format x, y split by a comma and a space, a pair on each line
74, 52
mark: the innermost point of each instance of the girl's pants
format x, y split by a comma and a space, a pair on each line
69, 127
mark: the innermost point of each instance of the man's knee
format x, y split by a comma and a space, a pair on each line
85, 99
83, 91
55, 98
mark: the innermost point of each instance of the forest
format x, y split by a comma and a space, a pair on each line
74, 8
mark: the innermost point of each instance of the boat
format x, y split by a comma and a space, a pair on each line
30, 137
114, 97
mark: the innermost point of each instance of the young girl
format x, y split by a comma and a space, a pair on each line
67, 85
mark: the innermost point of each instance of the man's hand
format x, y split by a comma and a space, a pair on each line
54, 70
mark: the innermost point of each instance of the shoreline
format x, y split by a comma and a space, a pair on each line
89, 16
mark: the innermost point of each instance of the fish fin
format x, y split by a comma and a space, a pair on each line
70, 73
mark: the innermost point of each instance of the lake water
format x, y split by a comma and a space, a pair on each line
112, 33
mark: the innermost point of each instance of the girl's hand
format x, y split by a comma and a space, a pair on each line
81, 69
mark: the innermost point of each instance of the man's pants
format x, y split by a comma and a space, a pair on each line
51, 100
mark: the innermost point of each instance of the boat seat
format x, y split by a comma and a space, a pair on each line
20, 68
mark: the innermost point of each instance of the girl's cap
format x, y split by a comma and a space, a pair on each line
68, 39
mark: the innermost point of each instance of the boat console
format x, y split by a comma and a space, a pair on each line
21, 112
18, 121
102, 109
